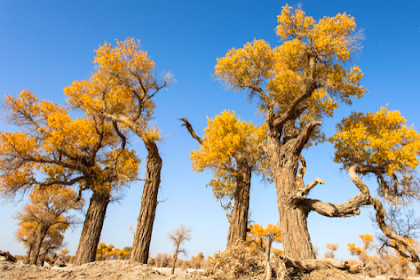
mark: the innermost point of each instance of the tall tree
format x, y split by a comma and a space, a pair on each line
121, 90
297, 84
54, 149
178, 236
232, 150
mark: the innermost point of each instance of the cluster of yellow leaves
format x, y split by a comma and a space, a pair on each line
122, 85
227, 139
257, 231
258, 237
361, 253
53, 143
284, 70
383, 142
105, 252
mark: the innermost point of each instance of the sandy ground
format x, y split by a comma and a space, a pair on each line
125, 269
107, 270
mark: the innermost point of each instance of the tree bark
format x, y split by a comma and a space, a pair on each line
284, 161
143, 235
92, 228
175, 259
238, 218
268, 273
28, 253
41, 236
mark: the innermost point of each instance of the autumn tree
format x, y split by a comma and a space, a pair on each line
232, 150
331, 250
297, 84
53, 149
48, 211
121, 90
178, 236
263, 238
362, 253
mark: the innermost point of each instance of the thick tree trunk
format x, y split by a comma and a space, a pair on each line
143, 235
293, 221
238, 218
41, 236
92, 228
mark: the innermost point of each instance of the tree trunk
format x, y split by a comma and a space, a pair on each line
268, 273
143, 235
238, 218
293, 225
41, 236
28, 254
92, 228
175, 259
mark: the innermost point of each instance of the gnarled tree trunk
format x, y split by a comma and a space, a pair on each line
143, 235
293, 221
238, 218
92, 228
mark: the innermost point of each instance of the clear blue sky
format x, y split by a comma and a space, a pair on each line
45, 45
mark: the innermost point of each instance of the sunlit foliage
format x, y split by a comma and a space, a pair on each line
384, 144
55, 149
227, 139
283, 74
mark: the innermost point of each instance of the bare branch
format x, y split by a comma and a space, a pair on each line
191, 130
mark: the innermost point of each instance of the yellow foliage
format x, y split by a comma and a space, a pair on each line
122, 85
56, 146
285, 71
383, 142
227, 139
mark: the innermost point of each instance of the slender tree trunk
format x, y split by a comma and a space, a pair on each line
41, 236
268, 273
92, 228
42, 258
175, 259
143, 235
28, 253
238, 218
293, 221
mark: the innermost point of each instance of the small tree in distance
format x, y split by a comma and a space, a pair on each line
331, 250
177, 237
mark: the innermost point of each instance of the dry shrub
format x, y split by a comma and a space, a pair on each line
235, 262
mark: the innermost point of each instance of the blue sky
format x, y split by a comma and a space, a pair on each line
45, 45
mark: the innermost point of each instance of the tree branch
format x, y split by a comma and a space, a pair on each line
317, 264
304, 136
380, 219
191, 130
346, 209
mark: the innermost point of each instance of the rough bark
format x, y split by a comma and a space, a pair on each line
238, 218
293, 226
92, 228
143, 235
42, 233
